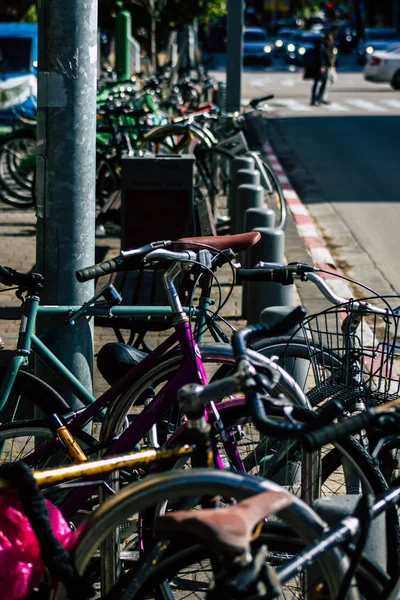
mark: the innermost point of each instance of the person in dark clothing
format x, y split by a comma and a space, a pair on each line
322, 64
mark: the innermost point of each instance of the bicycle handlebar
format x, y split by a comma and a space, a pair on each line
9, 277
285, 274
136, 258
335, 431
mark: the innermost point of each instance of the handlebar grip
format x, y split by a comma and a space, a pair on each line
103, 268
264, 275
244, 336
336, 431
5, 276
256, 101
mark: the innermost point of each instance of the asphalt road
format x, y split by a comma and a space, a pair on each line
343, 159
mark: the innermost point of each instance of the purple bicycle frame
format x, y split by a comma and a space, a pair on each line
191, 371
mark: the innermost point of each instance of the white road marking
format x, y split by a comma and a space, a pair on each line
392, 103
365, 104
291, 195
298, 209
321, 255
307, 230
257, 82
292, 104
336, 107
288, 82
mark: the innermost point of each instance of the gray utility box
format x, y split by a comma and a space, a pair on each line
157, 199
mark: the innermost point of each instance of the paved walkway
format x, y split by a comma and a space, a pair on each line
18, 250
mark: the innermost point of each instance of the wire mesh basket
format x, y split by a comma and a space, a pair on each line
354, 354
255, 128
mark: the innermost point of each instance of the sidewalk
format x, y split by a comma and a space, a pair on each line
18, 250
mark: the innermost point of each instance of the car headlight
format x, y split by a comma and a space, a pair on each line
267, 49
279, 43
301, 50
291, 47
369, 49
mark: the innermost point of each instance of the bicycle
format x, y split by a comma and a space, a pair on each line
147, 493
169, 560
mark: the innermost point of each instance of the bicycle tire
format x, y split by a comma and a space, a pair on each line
213, 172
199, 482
30, 393
210, 353
9, 193
370, 581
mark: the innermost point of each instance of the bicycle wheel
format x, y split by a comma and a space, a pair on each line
214, 356
15, 179
213, 179
176, 486
304, 361
30, 398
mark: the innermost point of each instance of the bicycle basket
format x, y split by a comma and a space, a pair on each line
354, 354
255, 129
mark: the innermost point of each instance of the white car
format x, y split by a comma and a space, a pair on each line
384, 67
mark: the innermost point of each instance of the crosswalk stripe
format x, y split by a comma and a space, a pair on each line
392, 103
292, 104
336, 107
365, 104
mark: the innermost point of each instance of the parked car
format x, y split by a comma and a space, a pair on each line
376, 39
346, 36
284, 37
18, 68
384, 67
257, 46
296, 52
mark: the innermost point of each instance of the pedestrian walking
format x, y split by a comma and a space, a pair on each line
318, 70
332, 75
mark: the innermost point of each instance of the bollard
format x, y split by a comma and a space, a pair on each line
242, 177
271, 248
254, 218
237, 164
296, 367
335, 508
248, 196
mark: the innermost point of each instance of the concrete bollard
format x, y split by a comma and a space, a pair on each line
254, 218
271, 248
248, 196
237, 164
259, 217
335, 508
241, 177
296, 367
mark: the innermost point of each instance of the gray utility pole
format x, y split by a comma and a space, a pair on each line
66, 162
395, 13
234, 54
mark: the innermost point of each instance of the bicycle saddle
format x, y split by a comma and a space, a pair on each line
238, 243
230, 527
115, 359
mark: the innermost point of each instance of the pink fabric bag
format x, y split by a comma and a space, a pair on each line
21, 567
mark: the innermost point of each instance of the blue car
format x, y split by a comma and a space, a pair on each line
18, 69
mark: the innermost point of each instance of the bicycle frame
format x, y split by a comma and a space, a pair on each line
28, 341
190, 371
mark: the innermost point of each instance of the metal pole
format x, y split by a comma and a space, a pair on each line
122, 45
234, 54
395, 13
66, 161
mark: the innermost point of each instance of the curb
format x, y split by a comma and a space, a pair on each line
307, 229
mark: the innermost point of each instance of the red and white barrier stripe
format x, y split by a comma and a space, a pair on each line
307, 228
